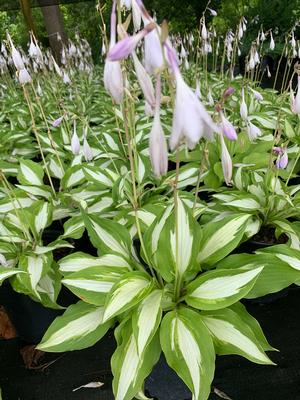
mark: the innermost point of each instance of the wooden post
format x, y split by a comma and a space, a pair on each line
26, 10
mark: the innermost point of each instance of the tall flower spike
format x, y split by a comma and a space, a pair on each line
191, 121
226, 161
157, 141
113, 78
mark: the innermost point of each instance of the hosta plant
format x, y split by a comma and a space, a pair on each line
163, 295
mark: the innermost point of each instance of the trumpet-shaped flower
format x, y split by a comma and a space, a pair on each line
227, 128
57, 122
144, 81
226, 161
243, 107
204, 33
153, 51
158, 146
191, 121
24, 76
136, 15
75, 143
257, 95
282, 161
296, 102
126, 46
253, 131
272, 43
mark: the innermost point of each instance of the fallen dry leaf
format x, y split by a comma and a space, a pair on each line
7, 330
221, 394
31, 356
91, 385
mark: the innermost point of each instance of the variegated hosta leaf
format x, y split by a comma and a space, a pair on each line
74, 228
99, 176
233, 336
78, 328
36, 267
275, 276
41, 216
55, 168
286, 227
284, 253
146, 319
79, 261
221, 237
242, 202
30, 173
173, 240
73, 177
220, 288
107, 236
41, 191
92, 284
126, 293
128, 366
7, 273
49, 287
19, 201
189, 350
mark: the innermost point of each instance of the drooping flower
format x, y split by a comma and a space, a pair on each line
226, 161
157, 141
126, 46
228, 92
136, 15
144, 81
253, 131
296, 102
153, 55
75, 143
198, 90
57, 122
24, 76
272, 43
204, 34
243, 107
213, 12
282, 161
191, 121
257, 95
66, 78
227, 128
113, 78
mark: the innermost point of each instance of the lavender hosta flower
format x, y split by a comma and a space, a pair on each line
75, 143
268, 72
213, 12
228, 92
39, 90
204, 33
24, 76
126, 46
253, 131
210, 98
149, 111
158, 146
296, 102
32, 49
272, 43
87, 151
226, 162
154, 59
113, 80
282, 161
144, 81
126, 3
243, 107
198, 90
257, 95
57, 122
227, 128
66, 78
136, 15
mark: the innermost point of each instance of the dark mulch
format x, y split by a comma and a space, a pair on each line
235, 376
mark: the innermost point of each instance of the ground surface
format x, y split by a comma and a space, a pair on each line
235, 376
